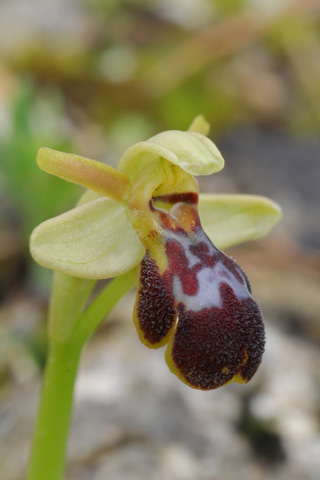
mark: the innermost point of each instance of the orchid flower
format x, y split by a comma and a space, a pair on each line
148, 211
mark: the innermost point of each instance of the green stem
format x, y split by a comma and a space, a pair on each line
52, 427
68, 298
69, 329
102, 305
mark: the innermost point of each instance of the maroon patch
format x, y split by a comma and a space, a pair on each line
213, 345
188, 197
178, 265
201, 250
155, 309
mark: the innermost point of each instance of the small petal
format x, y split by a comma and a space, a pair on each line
232, 219
191, 151
94, 240
97, 176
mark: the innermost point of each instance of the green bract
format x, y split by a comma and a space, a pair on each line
97, 240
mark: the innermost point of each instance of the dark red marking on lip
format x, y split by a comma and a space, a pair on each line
155, 308
151, 206
169, 223
201, 250
233, 267
213, 345
178, 265
188, 197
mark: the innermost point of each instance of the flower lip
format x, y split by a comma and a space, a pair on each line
199, 302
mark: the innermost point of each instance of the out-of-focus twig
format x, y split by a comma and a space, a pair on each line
302, 47
217, 41
198, 51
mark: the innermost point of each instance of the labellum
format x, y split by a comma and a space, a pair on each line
197, 300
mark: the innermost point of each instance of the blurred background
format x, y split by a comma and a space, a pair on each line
92, 77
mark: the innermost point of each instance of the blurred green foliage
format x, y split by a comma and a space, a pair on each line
29, 194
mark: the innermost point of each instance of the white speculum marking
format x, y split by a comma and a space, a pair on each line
209, 280
208, 294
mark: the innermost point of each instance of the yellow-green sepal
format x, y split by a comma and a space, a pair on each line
94, 240
232, 219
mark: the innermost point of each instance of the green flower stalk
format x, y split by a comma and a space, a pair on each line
147, 214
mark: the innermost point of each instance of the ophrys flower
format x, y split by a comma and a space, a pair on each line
190, 295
